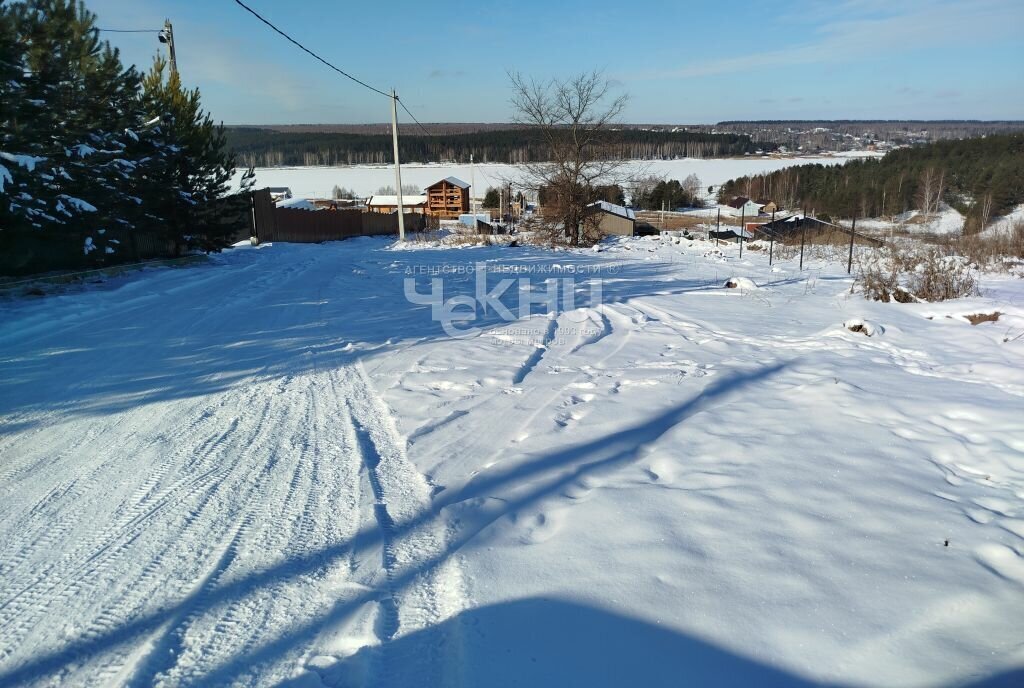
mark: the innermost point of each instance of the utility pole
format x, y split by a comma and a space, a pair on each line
718, 225
771, 241
167, 36
398, 166
472, 185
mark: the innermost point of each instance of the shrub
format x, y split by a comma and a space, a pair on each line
915, 274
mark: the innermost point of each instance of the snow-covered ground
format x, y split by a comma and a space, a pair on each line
274, 469
1007, 223
317, 182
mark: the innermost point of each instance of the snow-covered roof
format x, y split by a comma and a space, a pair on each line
454, 181
297, 204
613, 209
407, 201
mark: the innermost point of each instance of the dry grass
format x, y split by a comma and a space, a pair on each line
906, 274
978, 318
1001, 251
675, 220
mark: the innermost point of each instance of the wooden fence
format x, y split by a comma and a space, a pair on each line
309, 227
26, 252
35, 251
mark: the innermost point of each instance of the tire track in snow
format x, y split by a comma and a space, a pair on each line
183, 646
101, 547
402, 502
97, 571
171, 527
307, 499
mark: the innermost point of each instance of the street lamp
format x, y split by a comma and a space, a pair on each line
166, 36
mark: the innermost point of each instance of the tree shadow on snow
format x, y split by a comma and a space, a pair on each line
534, 642
324, 307
543, 642
532, 480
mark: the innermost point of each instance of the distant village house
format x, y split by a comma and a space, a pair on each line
745, 205
448, 198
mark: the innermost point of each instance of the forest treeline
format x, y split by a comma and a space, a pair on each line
268, 148
980, 177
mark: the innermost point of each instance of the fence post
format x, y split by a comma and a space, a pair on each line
743, 222
803, 237
853, 233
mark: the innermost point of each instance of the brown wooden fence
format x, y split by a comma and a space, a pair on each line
35, 251
309, 226
29, 252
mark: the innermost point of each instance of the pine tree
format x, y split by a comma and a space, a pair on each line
192, 165
491, 198
12, 103
69, 113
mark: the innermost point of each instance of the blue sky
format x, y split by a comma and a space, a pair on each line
679, 62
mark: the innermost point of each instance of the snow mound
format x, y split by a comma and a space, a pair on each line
865, 327
744, 283
946, 221
1004, 226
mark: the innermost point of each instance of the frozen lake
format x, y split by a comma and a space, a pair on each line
307, 182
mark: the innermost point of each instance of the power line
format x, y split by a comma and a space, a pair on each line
130, 30
305, 49
317, 57
413, 117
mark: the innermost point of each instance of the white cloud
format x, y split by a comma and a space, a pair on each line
869, 28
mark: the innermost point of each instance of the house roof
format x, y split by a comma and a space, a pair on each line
454, 181
613, 209
731, 232
739, 202
278, 189
407, 201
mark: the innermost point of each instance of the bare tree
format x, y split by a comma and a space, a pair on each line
640, 188
340, 192
925, 190
930, 189
572, 119
986, 211
692, 186
407, 190
980, 215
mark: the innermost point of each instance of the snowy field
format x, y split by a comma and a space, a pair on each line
317, 182
274, 470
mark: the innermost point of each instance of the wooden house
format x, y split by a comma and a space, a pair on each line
745, 205
448, 198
